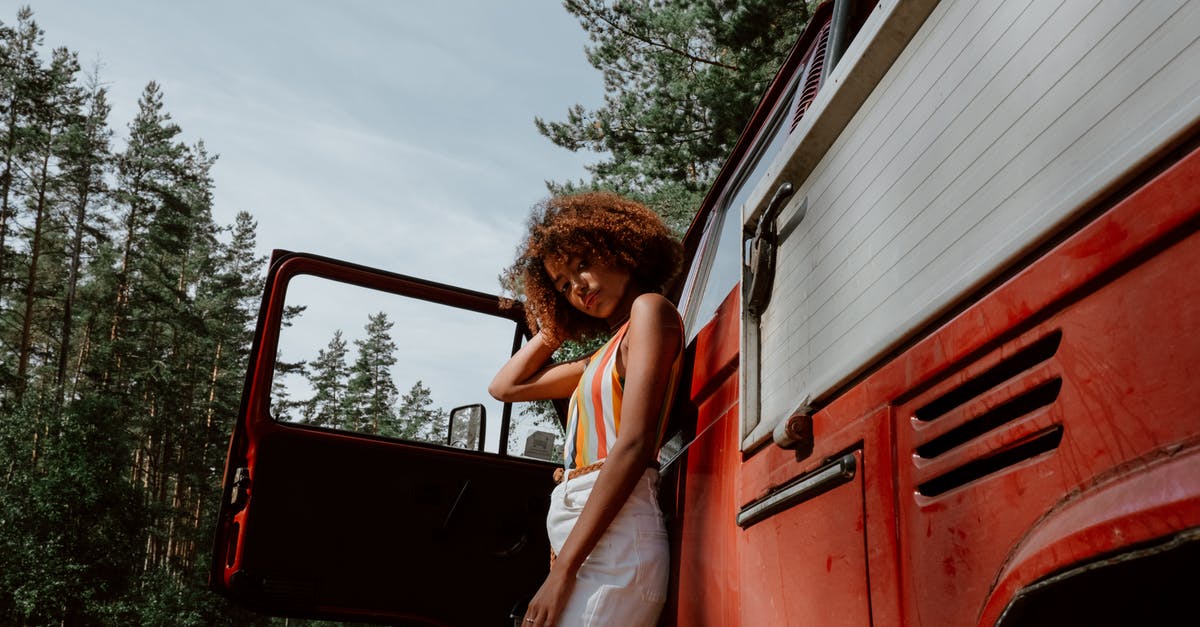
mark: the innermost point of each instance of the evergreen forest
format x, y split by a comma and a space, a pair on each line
125, 320
361, 395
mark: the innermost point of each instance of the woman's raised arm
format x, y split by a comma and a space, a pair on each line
528, 377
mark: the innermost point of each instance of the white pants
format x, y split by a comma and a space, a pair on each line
623, 581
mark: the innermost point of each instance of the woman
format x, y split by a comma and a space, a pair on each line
597, 263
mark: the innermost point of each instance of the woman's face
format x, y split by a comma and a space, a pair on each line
597, 290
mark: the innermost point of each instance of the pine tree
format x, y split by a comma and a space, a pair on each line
19, 68
227, 300
56, 101
147, 170
328, 376
420, 419
20, 65
680, 80
371, 393
156, 358
183, 249
85, 157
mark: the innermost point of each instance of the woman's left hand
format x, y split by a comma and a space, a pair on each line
550, 599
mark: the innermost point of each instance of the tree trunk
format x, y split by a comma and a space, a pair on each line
81, 204
6, 179
123, 274
113, 368
35, 247
85, 349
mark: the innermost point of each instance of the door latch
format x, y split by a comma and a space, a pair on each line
762, 253
241, 488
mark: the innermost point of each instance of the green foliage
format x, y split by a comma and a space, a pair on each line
681, 77
124, 329
328, 374
363, 397
371, 393
420, 419
70, 517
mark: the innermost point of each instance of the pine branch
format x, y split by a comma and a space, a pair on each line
593, 16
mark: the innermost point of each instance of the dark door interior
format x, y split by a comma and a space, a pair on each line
346, 519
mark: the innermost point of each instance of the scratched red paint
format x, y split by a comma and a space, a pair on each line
1108, 237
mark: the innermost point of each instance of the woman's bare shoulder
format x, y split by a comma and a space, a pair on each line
653, 305
656, 312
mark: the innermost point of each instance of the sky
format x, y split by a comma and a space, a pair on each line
392, 133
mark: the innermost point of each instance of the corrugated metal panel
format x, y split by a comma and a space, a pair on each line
997, 124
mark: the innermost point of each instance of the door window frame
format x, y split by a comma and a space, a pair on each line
286, 265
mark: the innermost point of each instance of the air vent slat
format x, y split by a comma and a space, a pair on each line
997, 418
1006, 412
813, 74
1043, 442
1024, 359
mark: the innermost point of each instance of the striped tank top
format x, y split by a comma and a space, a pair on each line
594, 413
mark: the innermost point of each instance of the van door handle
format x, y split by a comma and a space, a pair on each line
814, 484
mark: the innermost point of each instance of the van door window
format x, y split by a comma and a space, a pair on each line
722, 254
376, 363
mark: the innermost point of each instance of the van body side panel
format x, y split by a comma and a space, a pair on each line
1117, 396
997, 125
1069, 383
706, 581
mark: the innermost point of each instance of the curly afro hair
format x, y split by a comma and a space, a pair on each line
598, 226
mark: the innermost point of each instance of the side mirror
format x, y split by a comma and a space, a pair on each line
467, 427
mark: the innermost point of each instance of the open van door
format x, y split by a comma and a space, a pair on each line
377, 517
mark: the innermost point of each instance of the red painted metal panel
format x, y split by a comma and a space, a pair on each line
706, 576
1118, 391
1141, 502
1084, 448
846, 596
807, 565
709, 582
715, 351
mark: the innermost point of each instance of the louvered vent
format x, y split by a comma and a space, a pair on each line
1034, 388
814, 71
